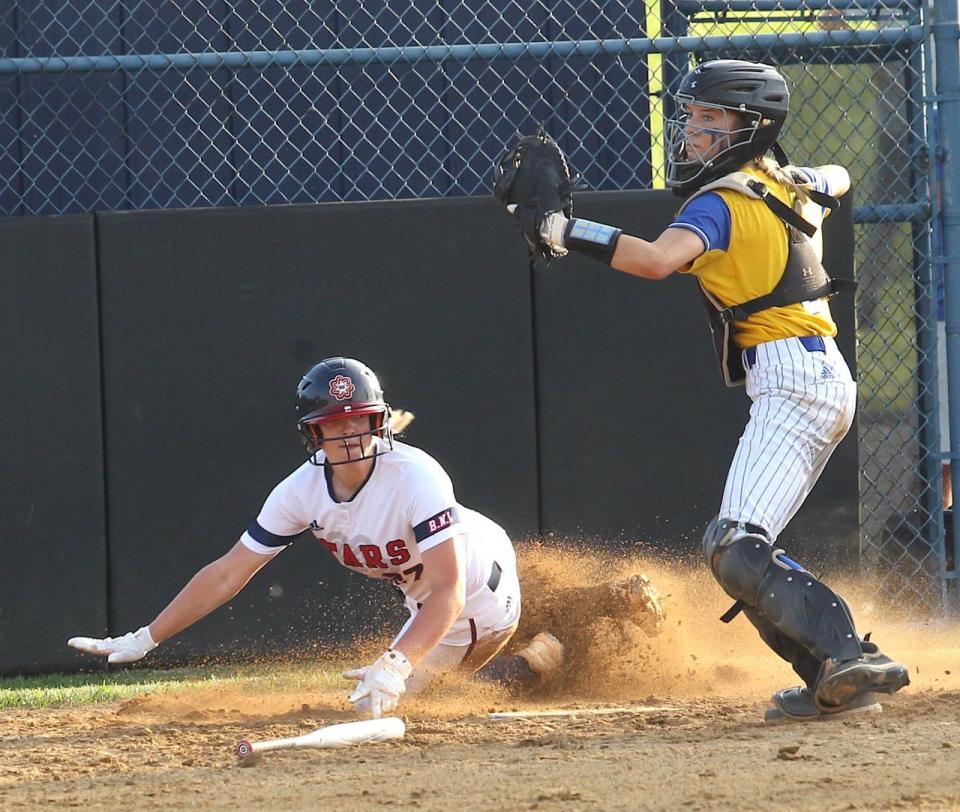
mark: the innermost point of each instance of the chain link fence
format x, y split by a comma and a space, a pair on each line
137, 105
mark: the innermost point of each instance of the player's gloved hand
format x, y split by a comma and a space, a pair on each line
532, 179
381, 684
551, 230
553, 227
127, 649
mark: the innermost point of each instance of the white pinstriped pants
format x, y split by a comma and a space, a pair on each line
803, 405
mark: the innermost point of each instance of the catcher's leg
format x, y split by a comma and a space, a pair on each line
802, 705
806, 666
793, 602
798, 611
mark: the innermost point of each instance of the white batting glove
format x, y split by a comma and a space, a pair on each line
127, 649
551, 231
381, 684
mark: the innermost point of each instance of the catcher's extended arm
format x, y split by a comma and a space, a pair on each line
532, 179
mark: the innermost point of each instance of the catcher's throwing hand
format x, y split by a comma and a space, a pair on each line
532, 179
131, 647
381, 684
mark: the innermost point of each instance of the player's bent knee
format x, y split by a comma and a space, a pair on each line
740, 559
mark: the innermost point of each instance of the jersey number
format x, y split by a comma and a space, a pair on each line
396, 578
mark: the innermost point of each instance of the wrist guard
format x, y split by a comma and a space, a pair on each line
595, 240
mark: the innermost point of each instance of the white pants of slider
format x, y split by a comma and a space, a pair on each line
466, 658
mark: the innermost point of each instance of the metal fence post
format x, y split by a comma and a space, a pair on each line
946, 40
927, 280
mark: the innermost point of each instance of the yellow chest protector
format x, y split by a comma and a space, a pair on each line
803, 278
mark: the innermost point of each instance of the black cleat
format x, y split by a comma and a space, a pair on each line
797, 705
840, 683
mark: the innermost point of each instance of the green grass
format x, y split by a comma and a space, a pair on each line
58, 690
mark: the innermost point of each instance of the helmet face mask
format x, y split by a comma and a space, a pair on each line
337, 388
750, 96
736, 133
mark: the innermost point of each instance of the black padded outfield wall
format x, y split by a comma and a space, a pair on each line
576, 400
636, 427
53, 575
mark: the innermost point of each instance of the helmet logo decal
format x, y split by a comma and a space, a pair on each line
342, 387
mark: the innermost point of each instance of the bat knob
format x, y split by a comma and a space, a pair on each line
244, 749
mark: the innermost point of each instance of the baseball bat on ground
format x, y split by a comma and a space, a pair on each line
561, 712
343, 735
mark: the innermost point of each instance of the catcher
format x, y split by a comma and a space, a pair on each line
386, 510
748, 231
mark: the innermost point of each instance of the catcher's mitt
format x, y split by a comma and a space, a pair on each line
534, 177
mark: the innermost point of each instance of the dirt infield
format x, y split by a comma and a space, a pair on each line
688, 733
699, 754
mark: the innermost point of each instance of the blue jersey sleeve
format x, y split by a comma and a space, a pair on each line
814, 177
708, 216
817, 179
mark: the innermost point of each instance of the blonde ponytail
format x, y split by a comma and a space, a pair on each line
781, 174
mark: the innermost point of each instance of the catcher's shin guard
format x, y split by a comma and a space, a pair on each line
805, 665
792, 600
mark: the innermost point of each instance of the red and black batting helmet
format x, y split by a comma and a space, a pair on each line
334, 388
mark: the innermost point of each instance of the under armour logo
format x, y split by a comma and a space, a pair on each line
342, 387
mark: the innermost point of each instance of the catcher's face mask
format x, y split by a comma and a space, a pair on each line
705, 139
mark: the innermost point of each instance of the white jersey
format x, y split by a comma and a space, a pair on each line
406, 507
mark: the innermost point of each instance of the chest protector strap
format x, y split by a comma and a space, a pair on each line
804, 278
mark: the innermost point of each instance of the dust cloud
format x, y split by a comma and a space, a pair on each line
612, 660
609, 658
